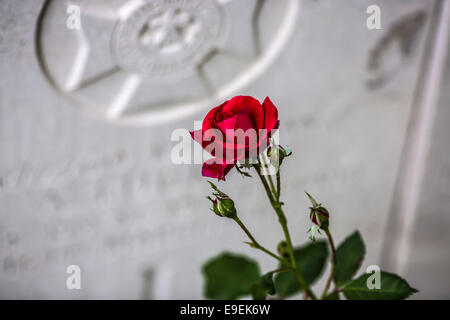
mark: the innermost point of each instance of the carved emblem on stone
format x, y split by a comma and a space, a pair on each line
148, 61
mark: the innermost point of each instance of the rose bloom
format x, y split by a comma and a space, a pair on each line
238, 129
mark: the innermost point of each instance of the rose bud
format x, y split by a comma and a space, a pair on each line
282, 249
320, 217
222, 205
277, 153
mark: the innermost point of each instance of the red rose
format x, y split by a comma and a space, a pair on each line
237, 129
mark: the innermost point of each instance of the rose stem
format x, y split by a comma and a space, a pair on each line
278, 185
333, 269
272, 186
255, 243
282, 219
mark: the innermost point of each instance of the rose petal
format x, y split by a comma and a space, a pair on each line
213, 170
249, 105
256, 113
244, 126
198, 136
209, 120
227, 127
270, 114
244, 122
238, 103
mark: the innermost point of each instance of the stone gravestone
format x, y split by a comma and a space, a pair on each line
87, 109
416, 241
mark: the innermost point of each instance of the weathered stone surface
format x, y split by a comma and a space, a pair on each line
427, 259
76, 189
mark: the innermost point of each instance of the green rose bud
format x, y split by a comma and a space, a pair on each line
222, 205
282, 249
277, 153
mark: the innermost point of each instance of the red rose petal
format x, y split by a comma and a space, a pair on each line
243, 125
226, 125
213, 170
270, 114
209, 120
238, 103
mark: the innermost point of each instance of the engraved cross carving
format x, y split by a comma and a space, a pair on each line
170, 31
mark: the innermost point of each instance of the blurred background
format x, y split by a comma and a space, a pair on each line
91, 91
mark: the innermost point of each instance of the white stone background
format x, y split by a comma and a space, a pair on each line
79, 190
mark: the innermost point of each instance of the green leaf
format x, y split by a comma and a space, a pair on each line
263, 286
350, 255
333, 296
392, 287
229, 276
310, 260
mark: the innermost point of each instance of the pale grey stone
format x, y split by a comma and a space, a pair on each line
79, 187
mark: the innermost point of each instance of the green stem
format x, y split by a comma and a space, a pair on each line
283, 222
334, 259
272, 185
255, 243
280, 270
278, 185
